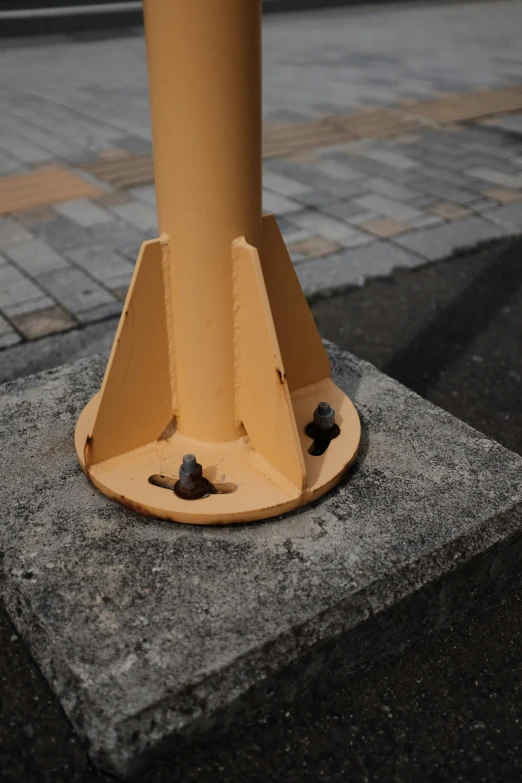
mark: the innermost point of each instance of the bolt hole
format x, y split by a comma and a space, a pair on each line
321, 439
219, 488
318, 447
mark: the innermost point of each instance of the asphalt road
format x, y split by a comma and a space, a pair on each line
447, 709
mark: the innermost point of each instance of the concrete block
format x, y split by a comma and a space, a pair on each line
149, 631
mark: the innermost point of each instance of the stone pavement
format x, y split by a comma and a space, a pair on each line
371, 163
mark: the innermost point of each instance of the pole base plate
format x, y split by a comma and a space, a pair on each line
247, 486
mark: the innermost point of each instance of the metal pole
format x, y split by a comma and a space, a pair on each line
217, 403
204, 62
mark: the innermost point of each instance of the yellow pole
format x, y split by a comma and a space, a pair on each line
204, 62
217, 403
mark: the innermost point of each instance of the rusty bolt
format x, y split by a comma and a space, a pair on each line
190, 474
324, 416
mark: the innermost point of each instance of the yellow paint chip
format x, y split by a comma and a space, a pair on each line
43, 186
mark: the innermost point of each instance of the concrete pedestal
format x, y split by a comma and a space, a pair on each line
149, 632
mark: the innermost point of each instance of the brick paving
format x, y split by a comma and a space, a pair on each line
365, 166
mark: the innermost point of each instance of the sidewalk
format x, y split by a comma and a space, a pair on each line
393, 137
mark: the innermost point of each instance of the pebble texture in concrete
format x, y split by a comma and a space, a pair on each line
146, 629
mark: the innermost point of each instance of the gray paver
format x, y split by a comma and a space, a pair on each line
386, 187
145, 193
15, 287
279, 205
73, 289
138, 214
354, 267
387, 206
394, 159
444, 191
509, 215
105, 265
35, 257
42, 302
8, 336
285, 186
441, 241
11, 230
325, 226
496, 177
84, 212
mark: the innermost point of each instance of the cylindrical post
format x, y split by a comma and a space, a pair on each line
204, 61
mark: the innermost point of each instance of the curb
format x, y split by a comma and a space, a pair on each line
86, 18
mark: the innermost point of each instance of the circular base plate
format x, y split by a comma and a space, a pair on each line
261, 491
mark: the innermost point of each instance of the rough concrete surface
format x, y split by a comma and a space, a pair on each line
146, 629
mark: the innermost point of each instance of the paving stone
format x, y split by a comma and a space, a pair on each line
63, 233
318, 180
11, 230
279, 205
423, 221
449, 176
504, 195
112, 152
421, 202
313, 247
105, 264
39, 324
15, 287
450, 211
285, 186
483, 205
508, 215
121, 236
337, 170
8, 336
134, 144
441, 241
354, 267
345, 209
113, 197
497, 177
388, 207
315, 197
394, 159
138, 214
73, 289
385, 227
444, 191
386, 187
35, 256
357, 239
34, 215
121, 292
28, 306
295, 234
145, 193
100, 313
84, 212
363, 217
121, 280
325, 226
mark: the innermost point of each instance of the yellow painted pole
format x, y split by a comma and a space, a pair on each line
217, 404
204, 62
